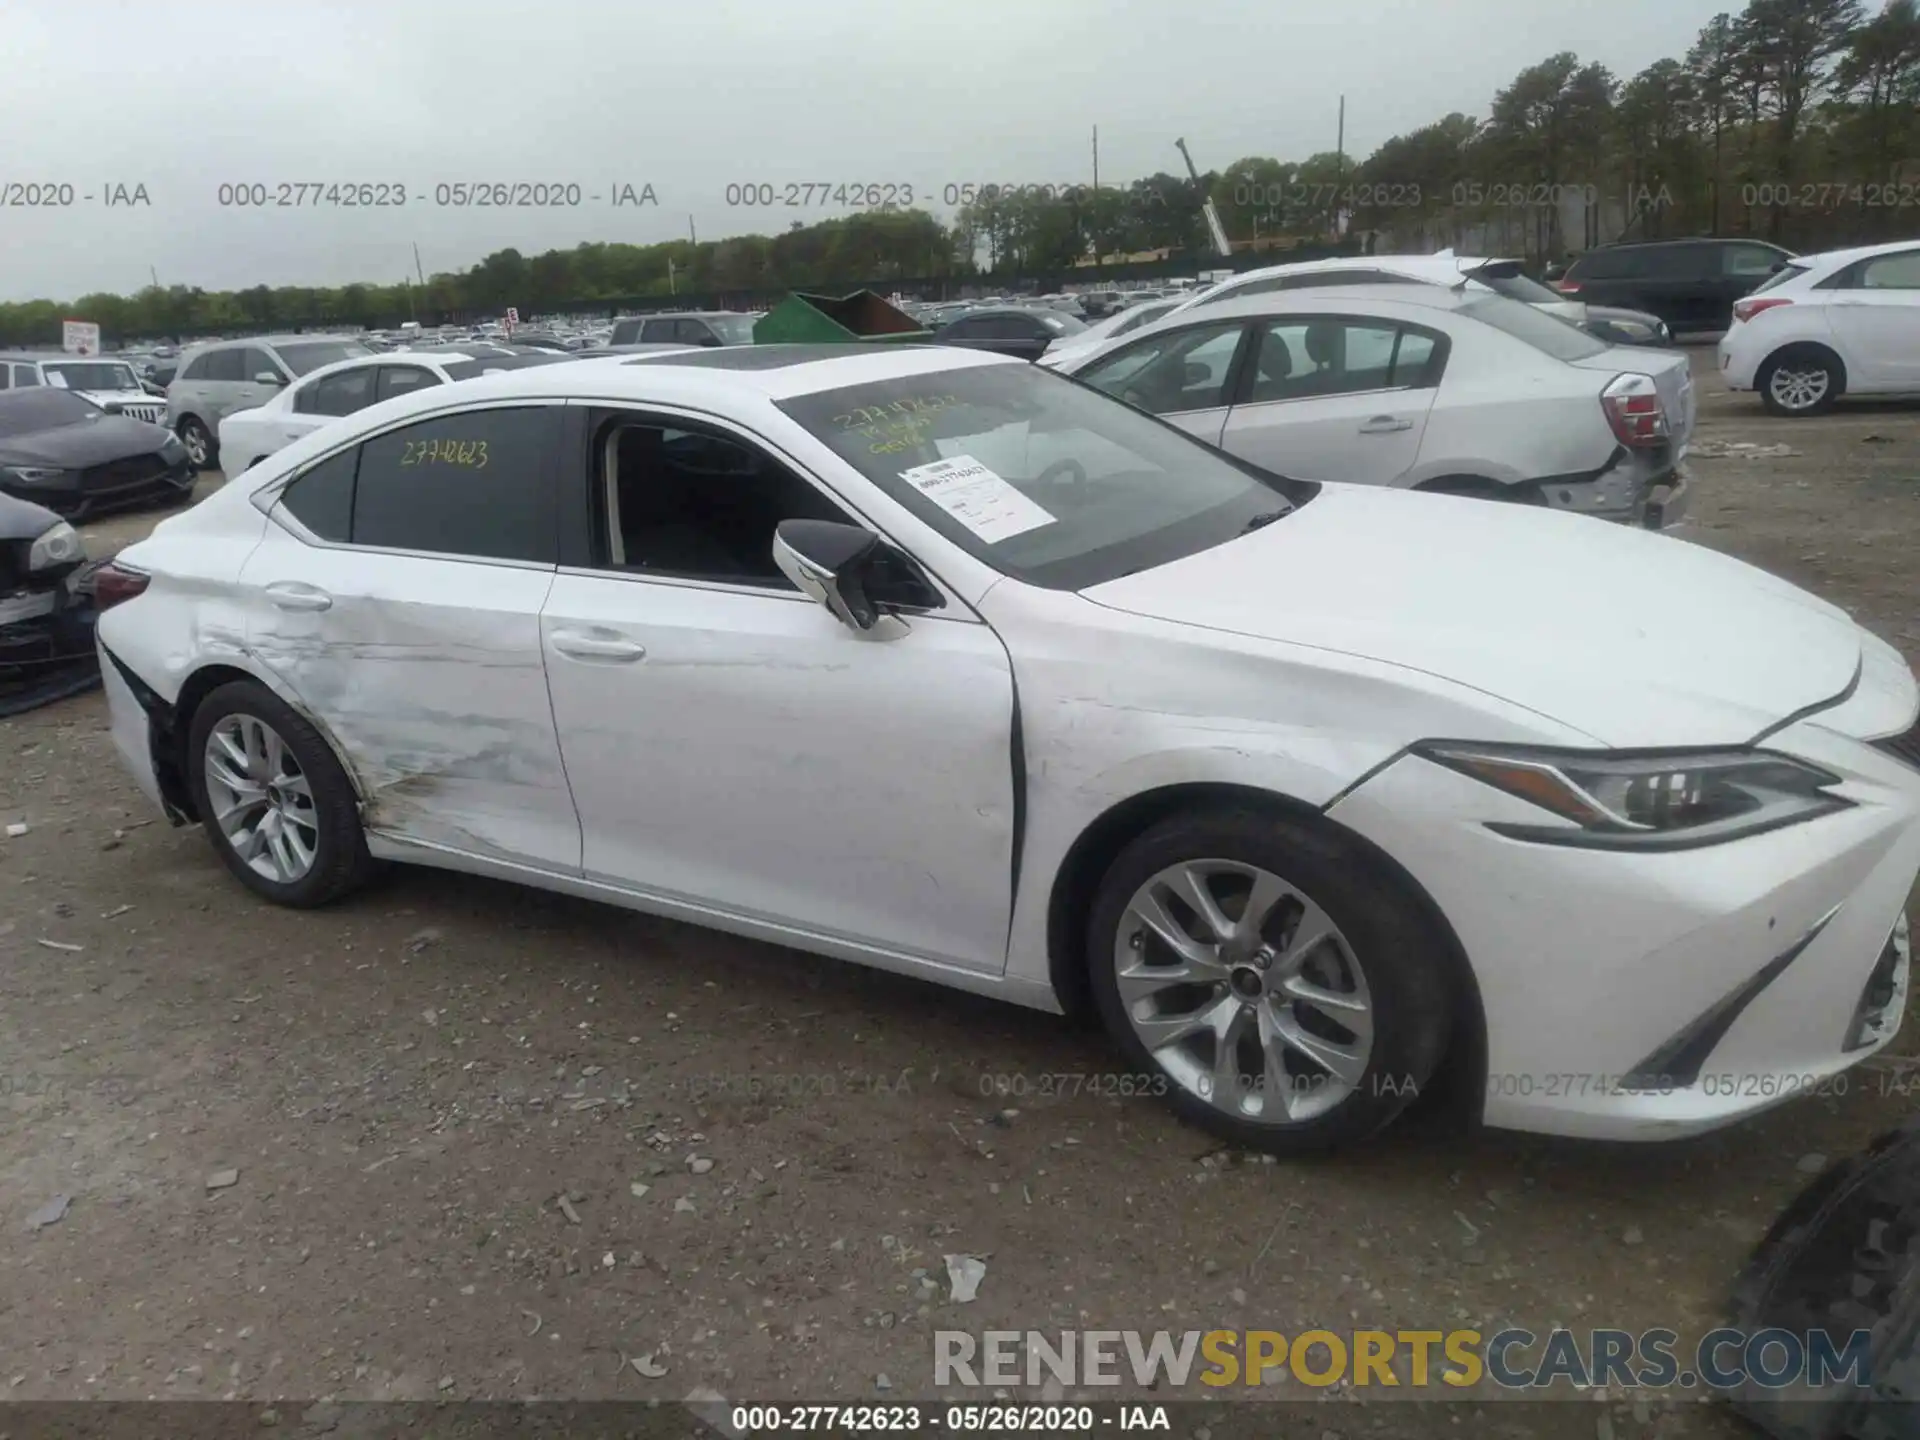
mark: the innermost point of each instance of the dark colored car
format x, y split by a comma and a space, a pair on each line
1690, 284
77, 459
1009, 330
689, 327
46, 608
1618, 326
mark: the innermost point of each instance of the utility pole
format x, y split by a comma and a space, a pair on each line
691, 235
1094, 210
1339, 165
416, 265
155, 275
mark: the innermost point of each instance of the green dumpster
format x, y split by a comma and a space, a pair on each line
826, 319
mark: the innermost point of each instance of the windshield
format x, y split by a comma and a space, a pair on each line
1537, 328
303, 359
22, 412
1041, 477
733, 329
91, 375
1523, 289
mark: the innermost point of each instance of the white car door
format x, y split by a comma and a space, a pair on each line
399, 599
734, 748
1876, 319
1329, 397
1182, 375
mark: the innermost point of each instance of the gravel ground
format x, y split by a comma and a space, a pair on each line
479, 1141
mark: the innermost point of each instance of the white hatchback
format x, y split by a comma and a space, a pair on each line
1846, 322
1312, 792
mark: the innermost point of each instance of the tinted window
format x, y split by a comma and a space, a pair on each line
1177, 370
1749, 262
1784, 274
3, 376
25, 377
477, 483
322, 498
304, 357
339, 394
733, 329
404, 379
198, 368
700, 505
1542, 331
660, 331
626, 332
24, 411
467, 369
229, 364
1523, 289
1892, 272
692, 332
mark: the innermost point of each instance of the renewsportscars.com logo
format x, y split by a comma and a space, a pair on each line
1408, 1360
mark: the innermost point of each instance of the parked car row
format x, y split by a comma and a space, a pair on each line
1319, 796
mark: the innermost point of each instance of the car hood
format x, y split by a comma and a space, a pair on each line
24, 520
91, 442
1633, 638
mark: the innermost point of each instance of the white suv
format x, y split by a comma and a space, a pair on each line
106, 382
1843, 323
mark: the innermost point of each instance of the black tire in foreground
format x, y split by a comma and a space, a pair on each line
271, 773
1269, 979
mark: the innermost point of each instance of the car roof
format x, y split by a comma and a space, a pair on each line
1821, 259
690, 315
271, 340
57, 357
1390, 299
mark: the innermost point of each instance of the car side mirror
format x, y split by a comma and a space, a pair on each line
853, 572
267, 377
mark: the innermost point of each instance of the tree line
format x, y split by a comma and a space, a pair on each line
1794, 120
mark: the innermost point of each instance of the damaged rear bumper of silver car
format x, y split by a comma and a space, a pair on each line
1629, 492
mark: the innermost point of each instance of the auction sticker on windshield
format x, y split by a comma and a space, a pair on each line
976, 497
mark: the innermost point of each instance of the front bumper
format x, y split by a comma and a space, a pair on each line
1645, 996
88, 493
46, 643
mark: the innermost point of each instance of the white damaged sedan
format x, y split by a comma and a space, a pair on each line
935, 661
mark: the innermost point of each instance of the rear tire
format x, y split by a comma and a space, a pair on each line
1307, 1044
273, 798
1800, 380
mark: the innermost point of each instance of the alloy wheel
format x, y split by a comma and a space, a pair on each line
1799, 387
195, 440
261, 799
1245, 991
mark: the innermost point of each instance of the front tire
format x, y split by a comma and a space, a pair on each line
273, 798
1802, 380
202, 449
1288, 995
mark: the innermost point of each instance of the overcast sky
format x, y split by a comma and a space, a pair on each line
688, 96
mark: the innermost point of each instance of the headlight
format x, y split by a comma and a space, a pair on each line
59, 546
1671, 801
31, 474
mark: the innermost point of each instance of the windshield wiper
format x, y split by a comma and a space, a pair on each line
1265, 519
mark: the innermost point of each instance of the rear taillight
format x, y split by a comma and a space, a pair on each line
114, 583
1634, 411
1753, 305
1567, 287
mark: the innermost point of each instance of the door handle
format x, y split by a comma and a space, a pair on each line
292, 595
596, 647
1384, 425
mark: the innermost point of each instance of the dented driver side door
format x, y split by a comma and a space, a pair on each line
398, 596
